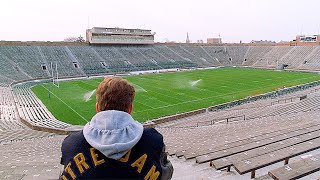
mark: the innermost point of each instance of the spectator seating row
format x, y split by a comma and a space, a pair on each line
152, 54
114, 59
10, 71
27, 58
237, 54
90, 61
307, 165
296, 56
34, 158
271, 58
219, 54
270, 133
32, 110
312, 60
59, 56
204, 59
8, 114
254, 54
137, 59
25, 153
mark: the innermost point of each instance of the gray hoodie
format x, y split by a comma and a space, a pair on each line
113, 133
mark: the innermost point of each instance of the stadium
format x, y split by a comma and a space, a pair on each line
233, 107
226, 111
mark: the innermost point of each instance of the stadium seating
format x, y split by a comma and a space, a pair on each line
271, 58
33, 158
33, 111
8, 115
305, 166
115, 60
247, 137
94, 60
237, 53
137, 59
219, 54
185, 58
89, 60
27, 58
312, 60
296, 56
59, 55
172, 57
266, 135
181, 51
5, 80
159, 59
10, 71
254, 54
204, 59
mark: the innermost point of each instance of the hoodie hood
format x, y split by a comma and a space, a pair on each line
113, 133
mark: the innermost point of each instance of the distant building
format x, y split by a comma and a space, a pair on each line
101, 35
286, 42
188, 39
200, 41
214, 41
307, 40
263, 42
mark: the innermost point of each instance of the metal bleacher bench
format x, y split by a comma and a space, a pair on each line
256, 142
297, 169
252, 164
230, 160
257, 154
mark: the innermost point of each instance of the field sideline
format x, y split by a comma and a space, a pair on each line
168, 93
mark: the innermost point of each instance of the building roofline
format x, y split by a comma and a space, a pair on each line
121, 28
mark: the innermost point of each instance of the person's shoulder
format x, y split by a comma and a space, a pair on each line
152, 137
74, 135
73, 139
152, 133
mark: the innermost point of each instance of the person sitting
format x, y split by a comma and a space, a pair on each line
113, 145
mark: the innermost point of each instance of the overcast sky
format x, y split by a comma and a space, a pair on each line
234, 20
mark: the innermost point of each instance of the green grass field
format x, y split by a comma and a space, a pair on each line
169, 93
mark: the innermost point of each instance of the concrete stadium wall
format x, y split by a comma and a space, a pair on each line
154, 122
45, 129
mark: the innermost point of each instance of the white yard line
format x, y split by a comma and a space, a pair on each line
171, 105
140, 87
66, 104
155, 99
168, 91
94, 86
145, 105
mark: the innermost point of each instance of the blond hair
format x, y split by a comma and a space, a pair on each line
115, 93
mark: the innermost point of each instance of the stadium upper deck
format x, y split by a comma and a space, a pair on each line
101, 35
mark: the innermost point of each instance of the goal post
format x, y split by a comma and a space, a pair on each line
54, 73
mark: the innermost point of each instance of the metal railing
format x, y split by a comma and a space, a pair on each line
215, 121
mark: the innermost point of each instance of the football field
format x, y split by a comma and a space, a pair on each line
168, 93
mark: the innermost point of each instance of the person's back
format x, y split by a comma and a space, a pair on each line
112, 145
